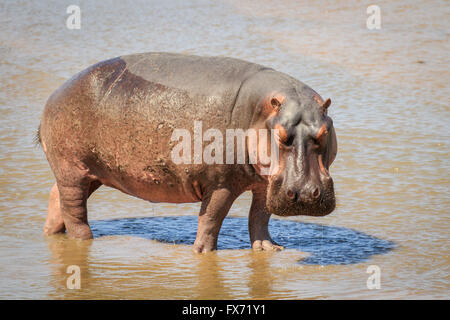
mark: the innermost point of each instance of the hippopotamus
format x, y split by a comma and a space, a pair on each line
113, 124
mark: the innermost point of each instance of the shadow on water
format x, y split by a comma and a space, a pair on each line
327, 245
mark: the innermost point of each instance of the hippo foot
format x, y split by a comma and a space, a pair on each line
202, 248
266, 245
52, 228
79, 232
205, 243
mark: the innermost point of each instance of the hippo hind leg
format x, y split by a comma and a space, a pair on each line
68, 198
73, 204
55, 222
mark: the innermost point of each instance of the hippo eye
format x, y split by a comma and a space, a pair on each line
320, 141
289, 141
284, 137
323, 131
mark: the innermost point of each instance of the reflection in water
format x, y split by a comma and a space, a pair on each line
151, 258
328, 245
209, 277
260, 280
68, 252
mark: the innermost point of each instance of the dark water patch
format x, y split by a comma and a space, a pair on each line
328, 245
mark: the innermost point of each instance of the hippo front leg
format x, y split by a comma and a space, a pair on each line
258, 224
215, 206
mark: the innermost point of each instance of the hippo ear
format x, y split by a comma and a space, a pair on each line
275, 103
331, 147
326, 104
277, 100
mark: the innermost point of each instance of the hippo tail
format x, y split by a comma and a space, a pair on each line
37, 137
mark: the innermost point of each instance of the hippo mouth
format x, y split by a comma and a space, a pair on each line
294, 205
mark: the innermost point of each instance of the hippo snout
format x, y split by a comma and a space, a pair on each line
309, 194
309, 198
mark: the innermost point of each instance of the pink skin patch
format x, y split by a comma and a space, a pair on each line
322, 131
318, 99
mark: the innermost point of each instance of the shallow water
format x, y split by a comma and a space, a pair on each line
390, 93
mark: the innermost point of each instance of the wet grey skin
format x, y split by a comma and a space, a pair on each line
112, 123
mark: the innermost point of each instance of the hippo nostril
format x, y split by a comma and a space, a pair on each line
291, 194
316, 193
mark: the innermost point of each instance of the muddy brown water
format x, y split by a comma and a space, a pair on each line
390, 93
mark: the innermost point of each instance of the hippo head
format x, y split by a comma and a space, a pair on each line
307, 144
